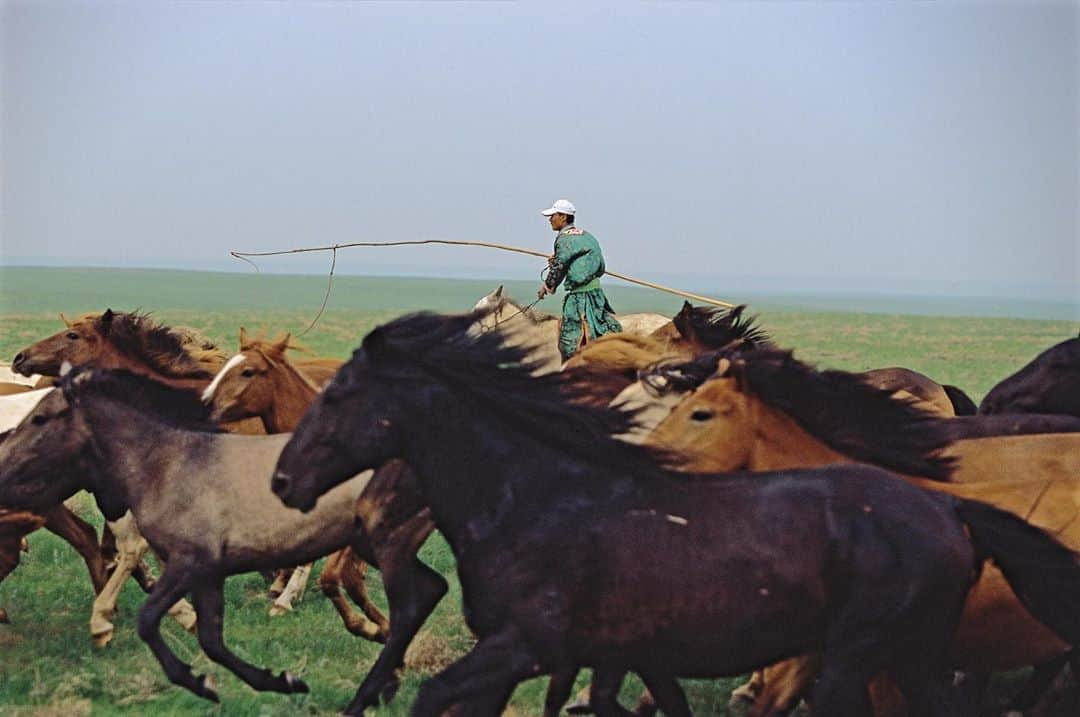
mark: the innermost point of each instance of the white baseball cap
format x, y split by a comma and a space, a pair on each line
561, 206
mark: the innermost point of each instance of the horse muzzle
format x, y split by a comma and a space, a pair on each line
284, 487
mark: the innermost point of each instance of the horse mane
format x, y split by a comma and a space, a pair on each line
607, 365
717, 327
537, 317
176, 407
500, 377
837, 407
176, 352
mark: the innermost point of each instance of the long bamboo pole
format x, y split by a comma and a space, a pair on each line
243, 256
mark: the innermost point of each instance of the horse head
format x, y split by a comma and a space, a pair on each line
1049, 384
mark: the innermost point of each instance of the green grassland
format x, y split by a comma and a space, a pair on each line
47, 664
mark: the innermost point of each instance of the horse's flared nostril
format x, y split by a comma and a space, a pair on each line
19, 358
280, 484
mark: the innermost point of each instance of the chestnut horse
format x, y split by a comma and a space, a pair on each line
764, 411
261, 382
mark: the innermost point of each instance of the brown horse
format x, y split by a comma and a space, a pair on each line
261, 382
1050, 383
765, 411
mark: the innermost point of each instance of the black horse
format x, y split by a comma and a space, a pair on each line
1049, 384
574, 548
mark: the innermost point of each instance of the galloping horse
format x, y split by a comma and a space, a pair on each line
179, 357
261, 382
551, 521
1049, 384
765, 411
200, 496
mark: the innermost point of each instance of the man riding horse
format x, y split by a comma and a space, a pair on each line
586, 312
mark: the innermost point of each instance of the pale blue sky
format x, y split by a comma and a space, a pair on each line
928, 147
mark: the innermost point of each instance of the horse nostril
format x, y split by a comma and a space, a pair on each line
279, 483
19, 358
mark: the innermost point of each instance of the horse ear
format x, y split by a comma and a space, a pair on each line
498, 292
687, 307
282, 345
106, 320
66, 321
245, 341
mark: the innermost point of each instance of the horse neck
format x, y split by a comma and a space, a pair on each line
132, 453
112, 358
781, 443
479, 473
293, 394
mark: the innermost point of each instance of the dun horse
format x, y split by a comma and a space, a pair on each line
199, 496
552, 522
261, 382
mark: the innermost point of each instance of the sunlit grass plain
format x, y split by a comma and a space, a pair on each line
47, 664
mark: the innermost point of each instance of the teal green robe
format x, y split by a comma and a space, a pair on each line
579, 262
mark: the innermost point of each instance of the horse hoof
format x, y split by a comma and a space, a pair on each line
277, 610
579, 707
102, 639
206, 689
294, 683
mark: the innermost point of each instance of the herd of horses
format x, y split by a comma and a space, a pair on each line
684, 499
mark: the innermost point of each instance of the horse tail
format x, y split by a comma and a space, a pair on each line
1043, 573
961, 402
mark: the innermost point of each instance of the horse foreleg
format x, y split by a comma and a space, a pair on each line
343, 568
559, 688
412, 591
663, 691
281, 579
210, 605
494, 666
294, 590
82, 536
171, 587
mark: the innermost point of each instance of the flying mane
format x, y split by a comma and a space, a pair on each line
176, 352
180, 408
499, 377
837, 407
718, 327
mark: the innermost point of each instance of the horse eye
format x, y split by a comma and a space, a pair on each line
701, 416
247, 373
38, 420
72, 335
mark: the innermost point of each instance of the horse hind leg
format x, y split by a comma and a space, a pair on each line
293, 591
210, 606
81, 536
353, 579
